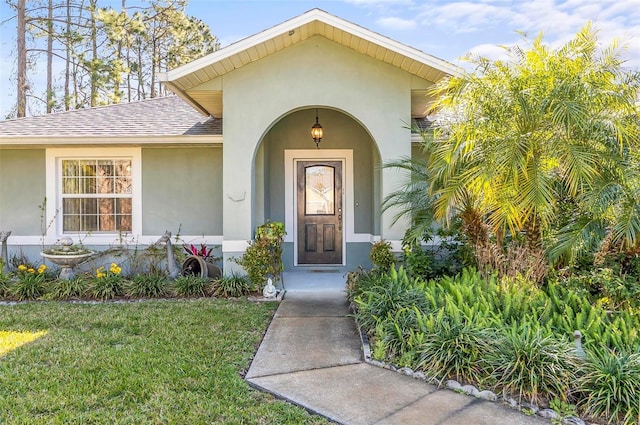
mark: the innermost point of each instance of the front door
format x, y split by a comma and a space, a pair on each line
319, 200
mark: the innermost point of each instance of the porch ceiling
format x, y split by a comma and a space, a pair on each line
315, 22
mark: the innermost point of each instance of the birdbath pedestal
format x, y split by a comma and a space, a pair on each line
67, 257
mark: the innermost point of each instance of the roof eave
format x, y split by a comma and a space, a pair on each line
92, 140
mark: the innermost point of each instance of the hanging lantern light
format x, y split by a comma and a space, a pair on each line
317, 132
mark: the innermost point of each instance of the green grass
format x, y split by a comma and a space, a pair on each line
155, 362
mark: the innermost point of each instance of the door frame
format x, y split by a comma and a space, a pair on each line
291, 159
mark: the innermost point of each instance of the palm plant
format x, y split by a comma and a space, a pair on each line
513, 139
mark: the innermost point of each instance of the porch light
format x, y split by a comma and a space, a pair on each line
316, 132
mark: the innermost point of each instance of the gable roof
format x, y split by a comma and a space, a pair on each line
288, 33
167, 116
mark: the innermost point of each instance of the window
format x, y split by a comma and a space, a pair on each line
96, 195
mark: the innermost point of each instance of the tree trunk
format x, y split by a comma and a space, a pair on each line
21, 94
94, 55
50, 58
67, 66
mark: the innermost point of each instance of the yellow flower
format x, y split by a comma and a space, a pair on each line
115, 269
100, 272
42, 268
31, 271
22, 267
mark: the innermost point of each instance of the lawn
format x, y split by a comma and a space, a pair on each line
153, 362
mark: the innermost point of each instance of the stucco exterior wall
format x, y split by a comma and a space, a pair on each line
316, 72
22, 190
182, 190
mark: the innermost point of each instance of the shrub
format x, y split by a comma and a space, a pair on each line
234, 285
62, 289
192, 286
4, 285
609, 386
419, 262
263, 258
455, 349
151, 285
392, 292
29, 284
381, 255
533, 366
361, 280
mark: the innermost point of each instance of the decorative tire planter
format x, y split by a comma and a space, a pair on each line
194, 265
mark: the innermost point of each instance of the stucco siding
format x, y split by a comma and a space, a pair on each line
22, 190
324, 74
182, 190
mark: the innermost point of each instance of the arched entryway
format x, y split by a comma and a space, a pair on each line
334, 228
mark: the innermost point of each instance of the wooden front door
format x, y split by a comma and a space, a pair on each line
319, 200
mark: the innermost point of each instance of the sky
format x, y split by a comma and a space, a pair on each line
448, 29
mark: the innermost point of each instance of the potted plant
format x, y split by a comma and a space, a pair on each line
200, 262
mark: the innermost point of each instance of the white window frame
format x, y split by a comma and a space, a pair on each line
54, 219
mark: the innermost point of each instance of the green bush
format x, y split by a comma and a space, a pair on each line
419, 262
263, 258
61, 289
392, 292
455, 349
4, 285
609, 386
361, 280
532, 366
152, 285
381, 255
192, 286
234, 285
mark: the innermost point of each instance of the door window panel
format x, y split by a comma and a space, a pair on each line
319, 190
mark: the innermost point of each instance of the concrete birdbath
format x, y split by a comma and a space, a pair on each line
67, 256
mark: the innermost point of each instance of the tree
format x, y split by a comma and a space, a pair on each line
107, 55
22, 59
517, 141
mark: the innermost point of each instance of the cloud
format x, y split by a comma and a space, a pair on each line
465, 16
378, 2
396, 23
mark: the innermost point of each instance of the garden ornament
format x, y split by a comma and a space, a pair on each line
269, 290
4, 235
577, 337
173, 268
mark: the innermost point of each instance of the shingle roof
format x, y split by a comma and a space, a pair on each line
160, 116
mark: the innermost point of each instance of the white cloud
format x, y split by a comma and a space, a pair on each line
396, 23
378, 2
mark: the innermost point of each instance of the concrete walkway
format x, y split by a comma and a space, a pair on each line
311, 356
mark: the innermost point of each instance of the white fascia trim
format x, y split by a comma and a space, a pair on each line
108, 140
124, 239
234, 246
306, 18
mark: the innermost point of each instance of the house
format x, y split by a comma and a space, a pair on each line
232, 149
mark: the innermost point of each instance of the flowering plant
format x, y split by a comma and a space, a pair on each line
114, 270
108, 283
203, 251
29, 273
30, 283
